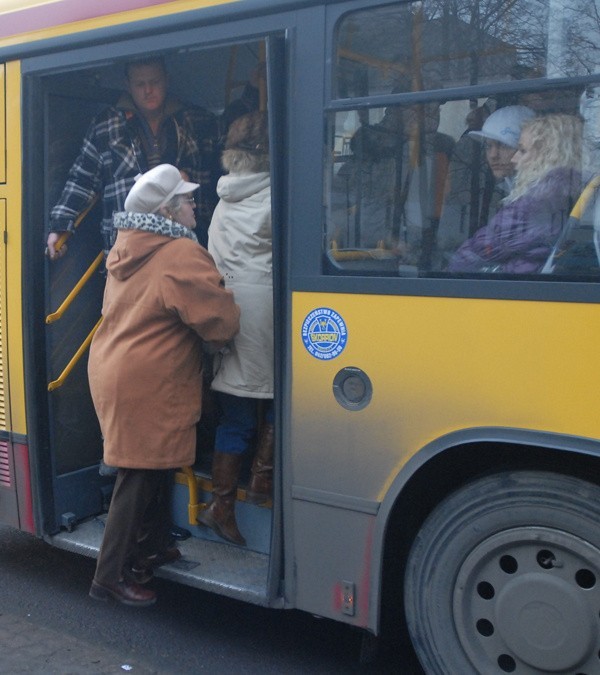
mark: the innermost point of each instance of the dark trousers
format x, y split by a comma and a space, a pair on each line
138, 522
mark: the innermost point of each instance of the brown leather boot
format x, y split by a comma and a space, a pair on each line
261, 483
220, 513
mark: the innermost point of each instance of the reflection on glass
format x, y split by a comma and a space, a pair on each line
462, 43
387, 191
412, 187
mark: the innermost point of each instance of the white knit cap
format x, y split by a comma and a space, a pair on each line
504, 125
156, 188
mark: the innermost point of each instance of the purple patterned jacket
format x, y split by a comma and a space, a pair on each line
520, 237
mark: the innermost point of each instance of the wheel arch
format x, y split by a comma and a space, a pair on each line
441, 467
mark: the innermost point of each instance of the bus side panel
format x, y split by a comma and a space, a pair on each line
332, 561
16, 507
9, 512
12, 292
435, 366
8, 492
24, 491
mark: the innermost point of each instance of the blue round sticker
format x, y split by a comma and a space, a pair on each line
324, 334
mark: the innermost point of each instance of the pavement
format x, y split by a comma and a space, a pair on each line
26, 647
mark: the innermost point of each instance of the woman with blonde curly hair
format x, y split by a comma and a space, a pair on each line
519, 238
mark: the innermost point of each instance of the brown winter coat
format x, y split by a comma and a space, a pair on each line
163, 297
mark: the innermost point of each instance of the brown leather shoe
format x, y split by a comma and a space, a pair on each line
150, 562
125, 592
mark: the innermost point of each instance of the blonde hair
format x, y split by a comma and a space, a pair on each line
556, 141
247, 144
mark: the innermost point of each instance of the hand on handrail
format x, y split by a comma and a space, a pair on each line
56, 245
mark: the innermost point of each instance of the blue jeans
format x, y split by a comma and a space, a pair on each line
239, 422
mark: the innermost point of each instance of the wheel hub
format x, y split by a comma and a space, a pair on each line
529, 599
543, 621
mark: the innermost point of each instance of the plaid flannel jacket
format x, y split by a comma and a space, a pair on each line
111, 156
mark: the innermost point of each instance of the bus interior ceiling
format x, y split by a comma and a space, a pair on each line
209, 78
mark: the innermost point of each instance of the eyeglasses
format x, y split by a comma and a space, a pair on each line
189, 200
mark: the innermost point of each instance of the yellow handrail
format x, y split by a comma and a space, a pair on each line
584, 198
59, 244
65, 235
76, 289
55, 384
379, 253
193, 507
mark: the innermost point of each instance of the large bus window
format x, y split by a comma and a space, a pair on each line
449, 186
447, 44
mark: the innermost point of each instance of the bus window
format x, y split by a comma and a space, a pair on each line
410, 188
463, 44
379, 196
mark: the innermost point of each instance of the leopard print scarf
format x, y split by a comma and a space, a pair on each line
152, 222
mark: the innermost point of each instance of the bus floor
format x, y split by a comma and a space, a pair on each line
208, 565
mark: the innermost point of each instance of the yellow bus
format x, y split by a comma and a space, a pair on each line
436, 309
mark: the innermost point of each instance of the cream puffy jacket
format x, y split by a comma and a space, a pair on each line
240, 241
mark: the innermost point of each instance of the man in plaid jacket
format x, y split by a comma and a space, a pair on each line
145, 128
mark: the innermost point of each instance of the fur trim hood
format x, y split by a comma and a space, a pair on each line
137, 241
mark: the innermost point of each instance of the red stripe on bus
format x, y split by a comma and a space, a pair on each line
66, 11
23, 478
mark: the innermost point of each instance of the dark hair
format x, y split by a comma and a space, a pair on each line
145, 61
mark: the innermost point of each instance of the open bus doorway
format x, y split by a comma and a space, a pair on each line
215, 79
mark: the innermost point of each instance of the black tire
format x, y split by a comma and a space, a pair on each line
504, 576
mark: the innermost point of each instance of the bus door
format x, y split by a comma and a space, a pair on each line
208, 77
73, 302
211, 77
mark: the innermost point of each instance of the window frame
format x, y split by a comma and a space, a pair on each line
315, 277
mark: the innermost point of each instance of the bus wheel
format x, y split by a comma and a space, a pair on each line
504, 576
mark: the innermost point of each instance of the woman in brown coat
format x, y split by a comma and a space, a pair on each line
163, 298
